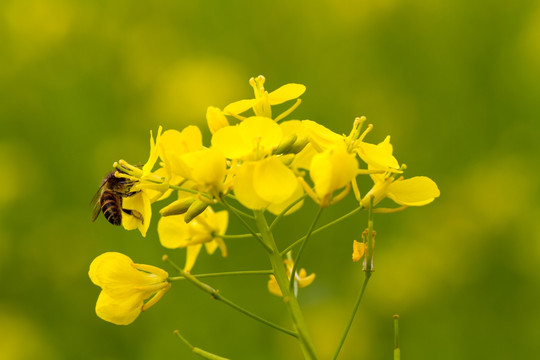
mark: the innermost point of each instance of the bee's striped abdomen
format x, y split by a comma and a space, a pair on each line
111, 206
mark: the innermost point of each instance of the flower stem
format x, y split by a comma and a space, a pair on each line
321, 228
356, 305
198, 351
217, 296
368, 269
301, 250
282, 279
246, 225
231, 273
397, 352
233, 237
281, 214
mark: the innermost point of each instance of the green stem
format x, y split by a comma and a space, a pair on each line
231, 273
246, 225
282, 279
281, 214
217, 295
301, 250
240, 212
233, 237
356, 305
397, 352
368, 269
322, 228
202, 353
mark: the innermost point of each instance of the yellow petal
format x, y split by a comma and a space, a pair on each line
209, 168
190, 139
321, 137
140, 204
263, 133
231, 142
191, 256
273, 181
173, 232
221, 221
244, 187
119, 311
239, 107
304, 280
377, 157
211, 247
416, 191
101, 265
273, 286
358, 250
285, 93
303, 159
332, 169
147, 168
215, 119
277, 208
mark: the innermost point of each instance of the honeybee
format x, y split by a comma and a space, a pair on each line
108, 199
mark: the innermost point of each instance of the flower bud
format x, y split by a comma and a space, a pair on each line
177, 207
195, 210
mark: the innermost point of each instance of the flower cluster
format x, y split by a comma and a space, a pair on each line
254, 158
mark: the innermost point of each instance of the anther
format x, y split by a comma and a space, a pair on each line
368, 129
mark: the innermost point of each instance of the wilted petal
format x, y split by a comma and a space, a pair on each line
191, 256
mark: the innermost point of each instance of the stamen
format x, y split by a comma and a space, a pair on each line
288, 111
156, 298
308, 190
368, 129
153, 287
341, 195
129, 169
122, 175
356, 190
389, 210
368, 171
238, 117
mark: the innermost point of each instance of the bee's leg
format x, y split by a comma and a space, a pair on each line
130, 193
125, 194
134, 213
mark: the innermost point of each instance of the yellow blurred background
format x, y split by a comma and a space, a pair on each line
456, 84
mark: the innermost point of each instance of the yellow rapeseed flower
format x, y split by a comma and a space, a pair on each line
331, 170
263, 100
126, 288
261, 179
416, 191
174, 233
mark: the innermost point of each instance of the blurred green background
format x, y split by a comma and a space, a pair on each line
456, 84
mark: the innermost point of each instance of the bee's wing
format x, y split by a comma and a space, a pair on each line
96, 204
